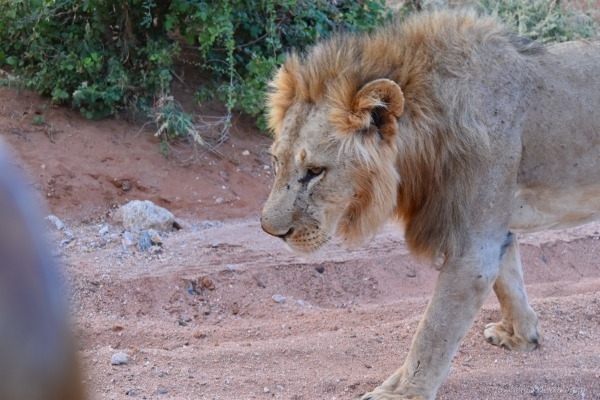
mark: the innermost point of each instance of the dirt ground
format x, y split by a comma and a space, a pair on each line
223, 311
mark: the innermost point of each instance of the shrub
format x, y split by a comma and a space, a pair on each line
241, 42
98, 56
105, 56
547, 21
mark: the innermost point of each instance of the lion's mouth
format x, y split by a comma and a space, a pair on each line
305, 241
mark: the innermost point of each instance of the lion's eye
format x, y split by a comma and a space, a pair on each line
311, 173
315, 171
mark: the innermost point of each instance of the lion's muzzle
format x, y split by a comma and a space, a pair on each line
279, 232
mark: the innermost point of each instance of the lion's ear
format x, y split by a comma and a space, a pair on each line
378, 103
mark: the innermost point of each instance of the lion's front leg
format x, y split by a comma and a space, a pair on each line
518, 328
462, 287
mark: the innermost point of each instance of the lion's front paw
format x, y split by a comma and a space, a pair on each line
498, 334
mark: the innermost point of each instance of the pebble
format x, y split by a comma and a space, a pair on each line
103, 231
126, 185
155, 250
58, 224
128, 239
156, 239
231, 267
210, 224
245, 153
119, 358
277, 298
207, 283
144, 241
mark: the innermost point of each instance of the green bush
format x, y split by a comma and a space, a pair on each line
241, 42
547, 21
98, 56
105, 56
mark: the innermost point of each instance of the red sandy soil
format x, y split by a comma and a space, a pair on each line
198, 319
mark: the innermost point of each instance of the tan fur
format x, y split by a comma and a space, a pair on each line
458, 129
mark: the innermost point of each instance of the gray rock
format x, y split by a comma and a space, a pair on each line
56, 222
150, 240
144, 241
128, 239
119, 358
103, 231
140, 215
277, 298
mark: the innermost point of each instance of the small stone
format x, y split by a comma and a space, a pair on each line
235, 309
320, 269
207, 283
128, 239
144, 242
231, 267
156, 239
277, 298
117, 328
126, 185
190, 287
245, 153
103, 231
266, 390
210, 224
56, 222
155, 250
411, 274
199, 335
119, 358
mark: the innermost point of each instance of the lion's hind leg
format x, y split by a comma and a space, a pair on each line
518, 328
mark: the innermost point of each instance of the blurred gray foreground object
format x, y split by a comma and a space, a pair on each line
37, 354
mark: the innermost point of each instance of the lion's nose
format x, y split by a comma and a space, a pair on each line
274, 231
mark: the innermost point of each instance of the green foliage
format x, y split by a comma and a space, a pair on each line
38, 120
171, 121
104, 56
99, 56
241, 42
547, 21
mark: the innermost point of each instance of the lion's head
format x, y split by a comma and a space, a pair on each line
334, 157
364, 131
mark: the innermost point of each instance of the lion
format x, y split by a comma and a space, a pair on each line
463, 133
